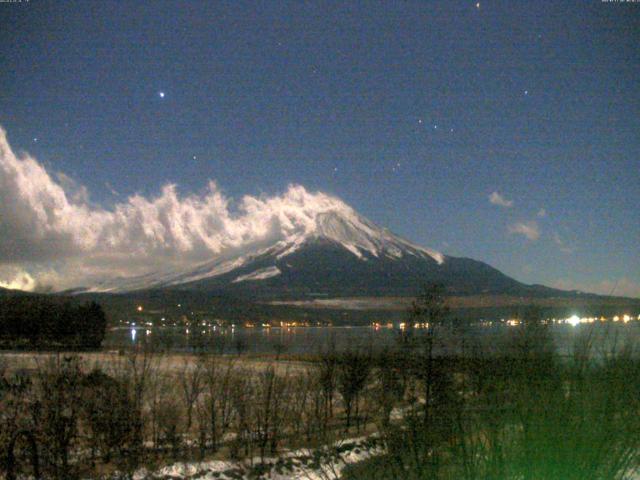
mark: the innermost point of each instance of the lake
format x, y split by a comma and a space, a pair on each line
312, 340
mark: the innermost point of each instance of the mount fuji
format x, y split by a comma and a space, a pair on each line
329, 251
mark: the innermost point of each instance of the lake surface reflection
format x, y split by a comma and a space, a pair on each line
604, 336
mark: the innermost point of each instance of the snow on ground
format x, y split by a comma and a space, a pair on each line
321, 464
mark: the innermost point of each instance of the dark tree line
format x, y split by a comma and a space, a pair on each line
39, 322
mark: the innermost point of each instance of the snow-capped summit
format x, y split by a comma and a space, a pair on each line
331, 222
318, 245
359, 235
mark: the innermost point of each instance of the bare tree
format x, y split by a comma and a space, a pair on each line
218, 384
327, 373
191, 382
353, 372
60, 399
389, 388
135, 371
106, 415
300, 401
429, 310
242, 399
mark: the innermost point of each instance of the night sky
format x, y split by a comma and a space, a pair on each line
508, 132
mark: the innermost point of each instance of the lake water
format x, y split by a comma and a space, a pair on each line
312, 340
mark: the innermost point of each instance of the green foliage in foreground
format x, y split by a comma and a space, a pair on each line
522, 413
513, 409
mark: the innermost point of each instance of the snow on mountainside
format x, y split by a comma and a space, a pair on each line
259, 274
316, 245
331, 220
359, 235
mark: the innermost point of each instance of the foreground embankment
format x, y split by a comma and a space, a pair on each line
520, 411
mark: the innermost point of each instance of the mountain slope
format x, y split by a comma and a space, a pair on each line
333, 252
323, 267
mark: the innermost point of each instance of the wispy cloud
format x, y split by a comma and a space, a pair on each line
561, 244
112, 190
497, 199
530, 230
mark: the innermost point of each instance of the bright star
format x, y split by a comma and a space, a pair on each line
161, 94
478, 5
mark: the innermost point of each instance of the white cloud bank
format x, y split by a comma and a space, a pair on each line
529, 229
496, 199
50, 235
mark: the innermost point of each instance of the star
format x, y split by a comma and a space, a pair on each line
478, 5
526, 92
35, 139
195, 157
161, 94
435, 127
420, 121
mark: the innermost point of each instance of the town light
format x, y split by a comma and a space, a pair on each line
573, 320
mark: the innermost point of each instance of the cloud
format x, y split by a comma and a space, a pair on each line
53, 235
561, 244
497, 199
623, 287
78, 193
541, 213
16, 279
111, 190
529, 229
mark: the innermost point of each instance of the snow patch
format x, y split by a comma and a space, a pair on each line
298, 464
261, 274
